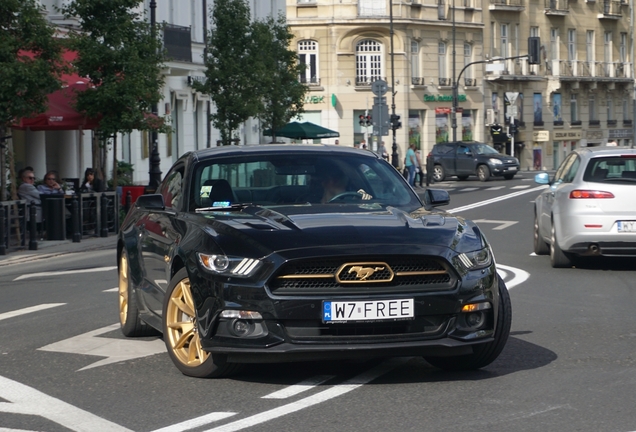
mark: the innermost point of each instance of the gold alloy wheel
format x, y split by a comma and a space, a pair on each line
123, 289
182, 334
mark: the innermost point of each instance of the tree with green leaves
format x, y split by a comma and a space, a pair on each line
231, 77
30, 67
122, 56
281, 92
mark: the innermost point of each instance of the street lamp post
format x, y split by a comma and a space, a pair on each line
455, 79
394, 157
154, 159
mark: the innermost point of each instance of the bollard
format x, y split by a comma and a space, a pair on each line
75, 221
33, 227
3, 245
103, 232
429, 170
128, 202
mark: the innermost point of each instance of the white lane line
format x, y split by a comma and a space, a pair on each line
468, 189
520, 187
494, 200
495, 188
519, 276
29, 401
302, 386
108, 290
195, 423
59, 273
29, 310
325, 395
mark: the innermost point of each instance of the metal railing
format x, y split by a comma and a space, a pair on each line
13, 225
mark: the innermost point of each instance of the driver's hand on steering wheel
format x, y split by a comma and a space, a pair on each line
365, 196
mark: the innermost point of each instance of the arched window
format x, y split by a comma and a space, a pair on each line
308, 56
369, 55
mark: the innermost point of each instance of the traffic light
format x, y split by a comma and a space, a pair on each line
363, 120
368, 120
395, 121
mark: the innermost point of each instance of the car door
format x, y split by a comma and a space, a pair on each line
159, 237
464, 160
447, 158
558, 191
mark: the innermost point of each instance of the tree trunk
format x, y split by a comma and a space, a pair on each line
96, 156
115, 166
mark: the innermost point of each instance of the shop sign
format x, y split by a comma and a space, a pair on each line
621, 133
314, 99
567, 135
594, 135
540, 136
443, 98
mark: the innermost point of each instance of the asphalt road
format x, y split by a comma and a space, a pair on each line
569, 364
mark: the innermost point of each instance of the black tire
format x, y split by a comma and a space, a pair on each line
509, 176
462, 177
438, 173
129, 316
483, 354
558, 258
483, 172
181, 338
540, 246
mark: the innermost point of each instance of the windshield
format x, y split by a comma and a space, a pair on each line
299, 179
485, 149
611, 169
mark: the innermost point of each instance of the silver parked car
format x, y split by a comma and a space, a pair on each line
589, 208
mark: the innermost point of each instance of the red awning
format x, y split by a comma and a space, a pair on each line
60, 114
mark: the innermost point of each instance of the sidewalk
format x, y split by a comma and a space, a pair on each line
48, 249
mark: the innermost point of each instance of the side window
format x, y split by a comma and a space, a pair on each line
564, 168
171, 188
568, 170
463, 150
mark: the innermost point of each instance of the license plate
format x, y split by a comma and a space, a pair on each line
372, 310
512, 169
627, 226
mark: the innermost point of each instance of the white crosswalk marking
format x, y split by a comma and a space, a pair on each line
496, 188
29, 310
520, 187
299, 388
468, 189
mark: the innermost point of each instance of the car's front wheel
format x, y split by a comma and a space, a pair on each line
483, 354
483, 172
558, 258
540, 246
181, 335
438, 173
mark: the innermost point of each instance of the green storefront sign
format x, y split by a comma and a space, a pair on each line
443, 98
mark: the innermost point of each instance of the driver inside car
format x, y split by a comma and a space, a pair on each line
334, 183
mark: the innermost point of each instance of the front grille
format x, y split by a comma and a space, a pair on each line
358, 275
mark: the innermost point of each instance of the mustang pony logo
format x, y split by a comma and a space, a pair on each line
363, 273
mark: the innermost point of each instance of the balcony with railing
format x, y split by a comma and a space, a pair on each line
589, 69
418, 82
310, 81
507, 5
557, 7
470, 82
445, 82
610, 9
367, 81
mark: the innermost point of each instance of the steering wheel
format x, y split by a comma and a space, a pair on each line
342, 196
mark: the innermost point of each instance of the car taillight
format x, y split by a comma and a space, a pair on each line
590, 194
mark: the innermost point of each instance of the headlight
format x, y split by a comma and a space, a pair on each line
476, 260
229, 266
495, 161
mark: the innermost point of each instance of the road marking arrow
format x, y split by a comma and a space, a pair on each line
115, 350
502, 224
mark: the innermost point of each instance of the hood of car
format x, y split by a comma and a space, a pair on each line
264, 231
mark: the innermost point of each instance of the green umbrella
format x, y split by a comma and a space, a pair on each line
305, 130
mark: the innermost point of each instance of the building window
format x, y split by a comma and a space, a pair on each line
468, 57
441, 61
623, 48
504, 39
372, 8
415, 60
626, 116
554, 44
308, 56
589, 46
493, 45
607, 47
592, 108
368, 61
610, 110
571, 45
574, 109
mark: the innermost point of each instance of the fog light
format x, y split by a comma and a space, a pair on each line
241, 328
475, 319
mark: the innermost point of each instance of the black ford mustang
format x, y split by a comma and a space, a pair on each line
300, 252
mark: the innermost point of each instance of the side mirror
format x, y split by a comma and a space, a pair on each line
542, 178
150, 202
436, 197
